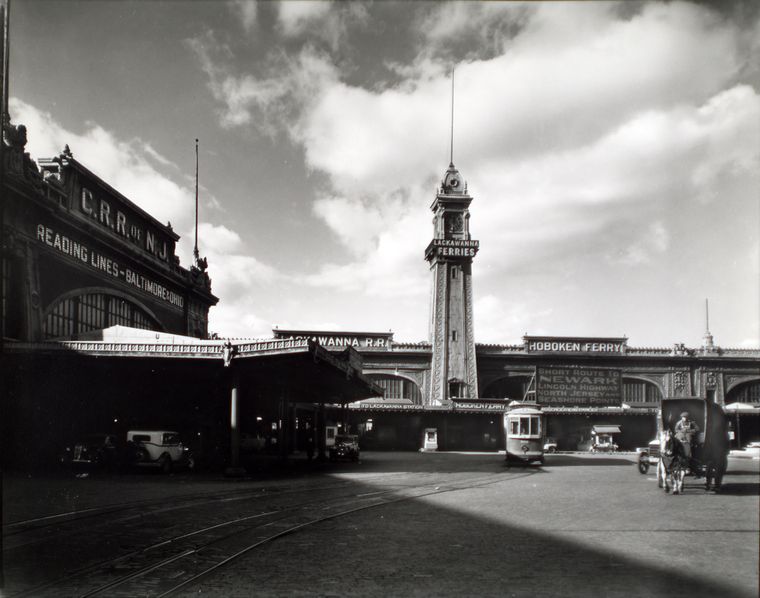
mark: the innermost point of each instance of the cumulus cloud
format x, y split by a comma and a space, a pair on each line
269, 101
327, 21
131, 166
588, 137
247, 11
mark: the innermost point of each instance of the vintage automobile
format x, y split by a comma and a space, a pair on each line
648, 456
346, 447
602, 438
160, 449
95, 451
550, 445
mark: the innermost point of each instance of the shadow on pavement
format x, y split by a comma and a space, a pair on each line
419, 547
748, 489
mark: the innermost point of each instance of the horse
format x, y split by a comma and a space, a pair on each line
673, 463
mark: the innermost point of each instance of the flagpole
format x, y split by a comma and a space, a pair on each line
196, 253
452, 117
4, 123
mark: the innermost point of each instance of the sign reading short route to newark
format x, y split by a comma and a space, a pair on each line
566, 386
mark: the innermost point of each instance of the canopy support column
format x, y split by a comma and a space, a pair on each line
234, 468
321, 434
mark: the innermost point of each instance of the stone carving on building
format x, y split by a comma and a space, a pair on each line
439, 333
711, 381
472, 374
680, 383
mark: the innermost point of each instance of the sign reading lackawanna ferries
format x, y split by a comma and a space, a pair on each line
558, 386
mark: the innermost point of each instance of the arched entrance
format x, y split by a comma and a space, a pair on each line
77, 313
638, 391
398, 387
743, 409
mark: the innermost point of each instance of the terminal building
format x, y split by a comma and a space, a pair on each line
103, 328
461, 388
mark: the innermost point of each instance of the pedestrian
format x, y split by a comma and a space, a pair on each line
685, 431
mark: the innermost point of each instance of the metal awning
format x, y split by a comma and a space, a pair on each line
297, 367
606, 429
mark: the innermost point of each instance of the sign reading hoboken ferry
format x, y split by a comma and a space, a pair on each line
569, 344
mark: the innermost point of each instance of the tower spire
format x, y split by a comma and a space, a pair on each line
196, 253
707, 341
451, 159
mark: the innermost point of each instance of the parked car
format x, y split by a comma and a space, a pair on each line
550, 445
95, 451
346, 447
160, 449
751, 450
648, 455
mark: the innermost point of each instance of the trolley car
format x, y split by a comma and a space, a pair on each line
524, 428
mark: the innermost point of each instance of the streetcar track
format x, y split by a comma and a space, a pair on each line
291, 516
25, 525
300, 526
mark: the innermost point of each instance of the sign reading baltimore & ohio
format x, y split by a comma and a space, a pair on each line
578, 386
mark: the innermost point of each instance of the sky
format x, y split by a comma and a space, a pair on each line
612, 151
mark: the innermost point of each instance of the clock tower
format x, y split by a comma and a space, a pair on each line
450, 254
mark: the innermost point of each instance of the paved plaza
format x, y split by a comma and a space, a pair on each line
433, 524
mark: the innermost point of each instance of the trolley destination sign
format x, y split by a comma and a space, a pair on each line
565, 386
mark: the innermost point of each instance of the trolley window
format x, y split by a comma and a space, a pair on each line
528, 425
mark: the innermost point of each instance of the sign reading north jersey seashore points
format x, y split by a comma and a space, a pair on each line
566, 386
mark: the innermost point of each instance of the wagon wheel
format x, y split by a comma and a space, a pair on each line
716, 473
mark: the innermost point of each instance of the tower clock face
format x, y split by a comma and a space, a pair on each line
454, 223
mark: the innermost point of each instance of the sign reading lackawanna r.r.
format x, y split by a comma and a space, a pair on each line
340, 340
564, 386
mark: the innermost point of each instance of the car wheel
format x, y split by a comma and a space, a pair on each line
165, 463
643, 466
551, 449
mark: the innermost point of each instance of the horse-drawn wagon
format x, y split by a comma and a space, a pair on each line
709, 446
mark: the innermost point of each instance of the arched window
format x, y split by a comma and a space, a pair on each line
398, 388
748, 392
94, 311
640, 391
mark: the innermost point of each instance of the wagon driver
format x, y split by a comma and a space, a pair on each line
685, 431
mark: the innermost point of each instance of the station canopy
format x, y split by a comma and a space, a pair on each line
295, 367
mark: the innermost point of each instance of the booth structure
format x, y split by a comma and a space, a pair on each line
430, 440
603, 438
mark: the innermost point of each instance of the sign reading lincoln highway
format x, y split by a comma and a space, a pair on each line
566, 386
